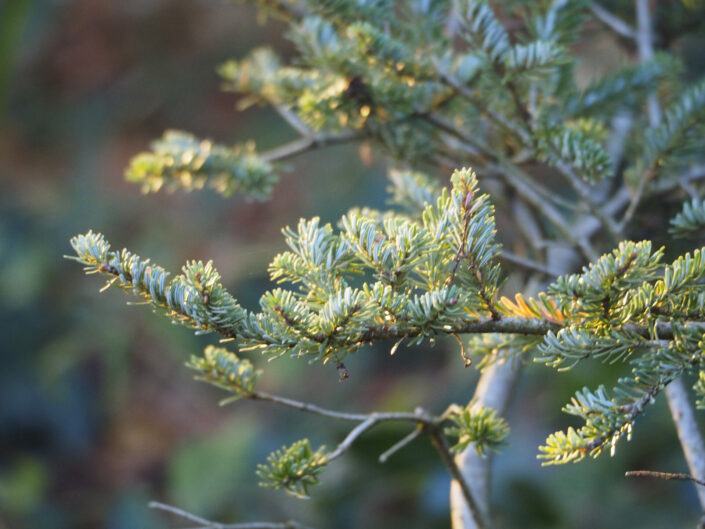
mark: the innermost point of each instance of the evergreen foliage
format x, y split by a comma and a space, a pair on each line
480, 428
294, 468
690, 221
225, 370
673, 144
180, 161
503, 102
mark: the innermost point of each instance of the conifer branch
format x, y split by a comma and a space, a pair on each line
690, 221
366, 72
513, 174
296, 467
523, 184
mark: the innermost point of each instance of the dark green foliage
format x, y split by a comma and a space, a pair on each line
622, 89
412, 190
225, 370
481, 427
561, 144
294, 468
673, 144
690, 222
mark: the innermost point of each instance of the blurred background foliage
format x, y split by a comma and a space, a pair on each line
98, 415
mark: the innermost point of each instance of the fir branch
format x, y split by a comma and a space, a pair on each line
225, 370
690, 437
690, 221
480, 427
484, 31
295, 468
571, 150
179, 161
194, 298
558, 20
671, 138
620, 89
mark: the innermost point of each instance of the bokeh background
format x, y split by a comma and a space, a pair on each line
98, 416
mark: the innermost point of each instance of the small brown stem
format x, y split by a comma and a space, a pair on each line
663, 475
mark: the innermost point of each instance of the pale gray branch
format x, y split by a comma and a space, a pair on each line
384, 456
527, 264
216, 525
302, 145
690, 437
688, 433
615, 23
493, 391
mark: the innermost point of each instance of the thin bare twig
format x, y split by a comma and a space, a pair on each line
307, 407
575, 181
356, 432
216, 525
615, 23
384, 456
527, 264
663, 475
302, 145
293, 120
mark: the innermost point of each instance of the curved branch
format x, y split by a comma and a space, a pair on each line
216, 525
302, 145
